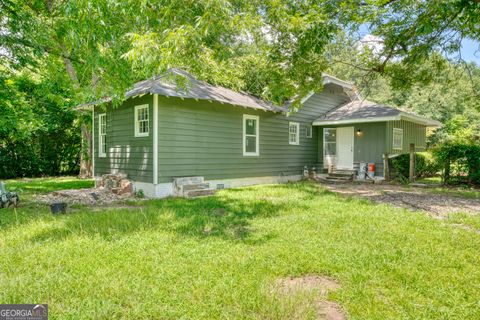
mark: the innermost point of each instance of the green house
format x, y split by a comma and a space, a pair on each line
166, 130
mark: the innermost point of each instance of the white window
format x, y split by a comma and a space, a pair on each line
102, 135
250, 135
293, 133
141, 121
308, 131
330, 142
329, 146
397, 138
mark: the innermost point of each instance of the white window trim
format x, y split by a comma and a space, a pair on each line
141, 134
244, 136
332, 159
311, 132
398, 130
297, 136
101, 154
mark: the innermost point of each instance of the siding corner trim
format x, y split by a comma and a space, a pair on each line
155, 139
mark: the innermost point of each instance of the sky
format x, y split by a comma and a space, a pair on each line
470, 49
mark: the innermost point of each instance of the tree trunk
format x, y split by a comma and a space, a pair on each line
86, 154
411, 173
86, 145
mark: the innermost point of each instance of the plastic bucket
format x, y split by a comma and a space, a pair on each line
58, 207
371, 167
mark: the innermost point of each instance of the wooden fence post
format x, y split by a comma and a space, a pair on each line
446, 174
411, 175
386, 169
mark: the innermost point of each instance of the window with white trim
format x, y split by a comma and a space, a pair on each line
102, 135
308, 131
329, 146
293, 133
250, 135
142, 119
330, 142
397, 138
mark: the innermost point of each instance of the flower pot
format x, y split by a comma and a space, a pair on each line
58, 207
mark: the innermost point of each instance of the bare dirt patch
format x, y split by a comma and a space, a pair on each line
94, 196
325, 310
437, 204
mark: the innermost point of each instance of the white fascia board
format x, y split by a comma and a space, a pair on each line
308, 96
420, 120
155, 139
342, 83
350, 121
329, 79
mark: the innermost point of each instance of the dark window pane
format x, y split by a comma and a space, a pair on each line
330, 149
330, 135
251, 126
250, 144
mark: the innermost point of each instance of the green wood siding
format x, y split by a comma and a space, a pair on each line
369, 147
377, 139
412, 133
125, 152
205, 139
332, 96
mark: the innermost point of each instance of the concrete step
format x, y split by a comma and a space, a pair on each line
332, 180
196, 186
187, 180
344, 171
199, 193
346, 178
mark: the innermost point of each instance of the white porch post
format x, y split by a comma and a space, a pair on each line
155, 139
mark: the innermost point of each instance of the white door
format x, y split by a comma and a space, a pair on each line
345, 148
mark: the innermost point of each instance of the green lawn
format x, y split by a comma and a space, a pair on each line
45, 185
217, 258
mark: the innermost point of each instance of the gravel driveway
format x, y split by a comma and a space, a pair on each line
438, 204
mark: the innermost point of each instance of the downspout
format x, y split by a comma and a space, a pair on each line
155, 139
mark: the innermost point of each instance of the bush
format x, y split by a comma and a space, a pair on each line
461, 162
426, 165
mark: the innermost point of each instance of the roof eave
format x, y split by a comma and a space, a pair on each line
420, 120
330, 79
402, 116
320, 122
342, 83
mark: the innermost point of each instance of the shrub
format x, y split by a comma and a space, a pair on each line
461, 161
426, 165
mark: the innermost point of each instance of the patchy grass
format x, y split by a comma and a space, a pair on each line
462, 192
469, 220
46, 185
430, 180
218, 257
27, 187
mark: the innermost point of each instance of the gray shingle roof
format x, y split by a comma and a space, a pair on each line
192, 88
195, 89
360, 110
368, 111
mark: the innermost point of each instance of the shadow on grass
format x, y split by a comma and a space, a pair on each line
227, 215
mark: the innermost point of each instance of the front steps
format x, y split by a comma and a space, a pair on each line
192, 187
346, 176
339, 176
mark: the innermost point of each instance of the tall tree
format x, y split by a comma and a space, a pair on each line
410, 31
